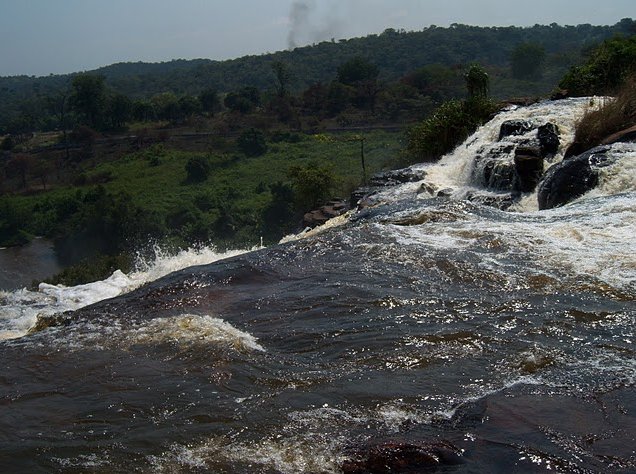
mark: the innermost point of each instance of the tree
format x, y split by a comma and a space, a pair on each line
142, 111
477, 82
209, 100
357, 70
283, 77
606, 69
243, 101
188, 106
436, 81
88, 98
312, 184
118, 110
166, 106
527, 60
18, 167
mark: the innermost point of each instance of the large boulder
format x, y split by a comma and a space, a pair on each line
514, 127
528, 168
548, 136
573, 177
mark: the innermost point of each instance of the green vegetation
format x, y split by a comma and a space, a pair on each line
151, 195
228, 152
35, 103
606, 69
453, 121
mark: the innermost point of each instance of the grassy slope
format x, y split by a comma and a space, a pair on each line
239, 181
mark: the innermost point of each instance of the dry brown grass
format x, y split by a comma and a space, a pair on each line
615, 115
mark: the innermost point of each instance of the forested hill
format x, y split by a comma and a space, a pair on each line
395, 53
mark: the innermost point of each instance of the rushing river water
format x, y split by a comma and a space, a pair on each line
499, 341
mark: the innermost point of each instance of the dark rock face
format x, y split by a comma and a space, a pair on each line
321, 215
514, 127
548, 136
495, 169
403, 458
528, 168
572, 177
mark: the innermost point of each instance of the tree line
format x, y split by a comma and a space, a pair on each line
520, 60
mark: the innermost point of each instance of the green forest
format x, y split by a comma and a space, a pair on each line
108, 163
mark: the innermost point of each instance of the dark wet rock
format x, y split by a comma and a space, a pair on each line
573, 177
501, 201
514, 127
528, 163
548, 136
445, 193
396, 457
395, 177
47, 321
493, 171
319, 216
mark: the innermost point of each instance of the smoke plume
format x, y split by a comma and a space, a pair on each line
307, 24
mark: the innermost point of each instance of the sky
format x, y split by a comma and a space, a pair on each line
41, 37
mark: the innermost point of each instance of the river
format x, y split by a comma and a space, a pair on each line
424, 329
20, 266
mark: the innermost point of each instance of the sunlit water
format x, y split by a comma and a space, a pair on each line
508, 335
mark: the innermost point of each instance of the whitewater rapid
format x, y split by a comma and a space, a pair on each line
20, 309
591, 236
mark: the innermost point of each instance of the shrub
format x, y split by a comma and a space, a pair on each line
312, 184
449, 125
252, 142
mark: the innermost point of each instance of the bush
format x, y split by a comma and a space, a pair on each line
312, 184
252, 142
449, 125
198, 169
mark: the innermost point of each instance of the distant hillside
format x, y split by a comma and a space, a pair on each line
396, 53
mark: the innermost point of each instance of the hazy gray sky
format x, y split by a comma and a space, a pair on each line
38, 37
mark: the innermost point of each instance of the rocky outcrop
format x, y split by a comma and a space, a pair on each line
361, 197
573, 177
319, 216
516, 165
548, 136
514, 127
395, 177
528, 165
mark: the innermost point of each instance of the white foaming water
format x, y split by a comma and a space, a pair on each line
455, 170
20, 309
183, 331
592, 238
